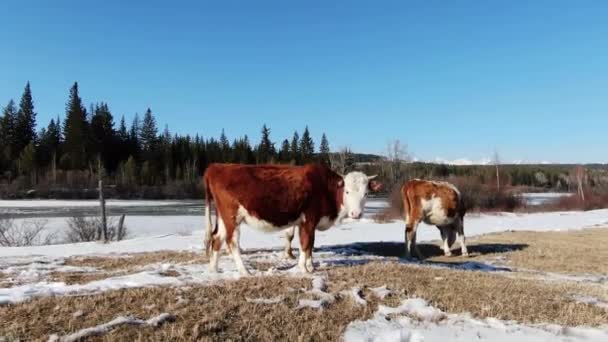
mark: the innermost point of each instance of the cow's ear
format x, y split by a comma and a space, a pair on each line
340, 183
375, 186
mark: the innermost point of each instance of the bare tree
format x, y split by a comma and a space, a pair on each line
496, 161
579, 172
396, 157
341, 161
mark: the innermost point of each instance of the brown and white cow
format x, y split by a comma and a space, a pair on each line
434, 203
276, 197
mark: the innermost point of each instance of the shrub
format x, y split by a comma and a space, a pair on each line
594, 199
84, 229
28, 233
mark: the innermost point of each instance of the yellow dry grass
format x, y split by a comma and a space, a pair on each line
568, 252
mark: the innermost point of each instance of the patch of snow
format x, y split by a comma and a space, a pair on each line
418, 321
318, 290
356, 295
591, 301
382, 292
106, 327
274, 300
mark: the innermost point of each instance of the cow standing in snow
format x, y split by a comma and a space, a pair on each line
276, 197
434, 203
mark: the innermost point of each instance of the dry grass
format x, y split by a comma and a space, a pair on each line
133, 261
217, 312
570, 252
72, 278
220, 312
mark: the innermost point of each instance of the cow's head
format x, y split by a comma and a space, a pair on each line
356, 186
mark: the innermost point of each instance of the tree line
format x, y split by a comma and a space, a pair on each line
66, 157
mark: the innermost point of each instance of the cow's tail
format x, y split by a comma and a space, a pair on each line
406, 202
210, 227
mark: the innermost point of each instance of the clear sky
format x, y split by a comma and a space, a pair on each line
452, 79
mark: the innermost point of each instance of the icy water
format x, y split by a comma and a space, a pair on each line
66, 208
30, 209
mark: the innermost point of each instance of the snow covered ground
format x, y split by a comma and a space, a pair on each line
153, 233
415, 320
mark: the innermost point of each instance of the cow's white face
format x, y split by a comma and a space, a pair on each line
356, 186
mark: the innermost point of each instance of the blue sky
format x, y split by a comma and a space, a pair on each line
452, 79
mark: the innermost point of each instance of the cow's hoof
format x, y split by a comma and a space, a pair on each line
465, 254
213, 269
447, 254
289, 256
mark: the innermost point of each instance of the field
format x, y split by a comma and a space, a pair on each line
534, 277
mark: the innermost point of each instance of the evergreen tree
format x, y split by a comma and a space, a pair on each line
266, 150
324, 150
103, 137
284, 154
27, 159
134, 143
307, 146
50, 139
75, 131
225, 147
25, 124
148, 133
123, 134
7, 132
295, 147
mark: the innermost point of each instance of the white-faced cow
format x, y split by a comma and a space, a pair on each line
434, 203
276, 197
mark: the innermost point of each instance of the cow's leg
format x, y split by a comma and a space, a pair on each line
460, 237
307, 241
412, 220
232, 243
410, 241
289, 233
217, 240
445, 234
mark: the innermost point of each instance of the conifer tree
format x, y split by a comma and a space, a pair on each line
295, 147
307, 146
266, 150
284, 155
148, 132
25, 124
7, 132
75, 131
324, 150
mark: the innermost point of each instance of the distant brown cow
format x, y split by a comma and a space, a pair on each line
434, 203
276, 197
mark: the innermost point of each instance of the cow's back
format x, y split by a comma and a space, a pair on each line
275, 193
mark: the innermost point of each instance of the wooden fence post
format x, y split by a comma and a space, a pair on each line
102, 203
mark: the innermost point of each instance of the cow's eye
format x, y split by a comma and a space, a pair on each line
347, 192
